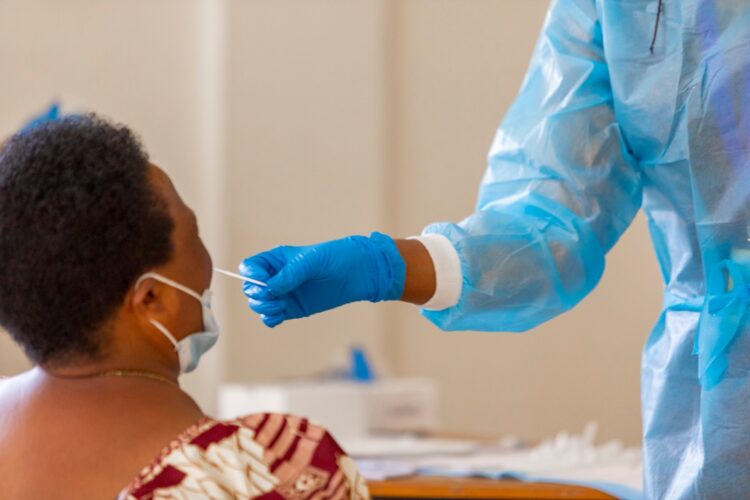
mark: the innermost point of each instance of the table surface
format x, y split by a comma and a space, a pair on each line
443, 487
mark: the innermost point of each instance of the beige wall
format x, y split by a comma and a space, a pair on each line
305, 152
288, 122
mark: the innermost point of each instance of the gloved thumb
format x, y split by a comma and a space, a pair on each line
296, 271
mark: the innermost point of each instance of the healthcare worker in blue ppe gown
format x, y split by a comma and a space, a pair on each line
627, 104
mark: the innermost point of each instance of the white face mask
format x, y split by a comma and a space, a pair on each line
191, 348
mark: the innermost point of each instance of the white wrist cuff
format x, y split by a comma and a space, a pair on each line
448, 278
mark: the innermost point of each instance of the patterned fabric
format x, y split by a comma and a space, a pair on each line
263, 456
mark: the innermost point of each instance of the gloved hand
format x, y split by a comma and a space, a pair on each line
310, 279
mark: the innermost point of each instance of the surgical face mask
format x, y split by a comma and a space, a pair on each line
191, 348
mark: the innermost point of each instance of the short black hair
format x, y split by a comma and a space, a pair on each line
79, 222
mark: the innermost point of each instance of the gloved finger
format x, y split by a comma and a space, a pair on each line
272, 321
298, 270
267, 307
270, 261
257, 268
257, 292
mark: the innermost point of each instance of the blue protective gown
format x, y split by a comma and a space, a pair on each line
602, 127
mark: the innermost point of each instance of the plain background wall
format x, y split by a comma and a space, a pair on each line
306, 151
290, 122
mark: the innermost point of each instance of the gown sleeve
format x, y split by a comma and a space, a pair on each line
560, 188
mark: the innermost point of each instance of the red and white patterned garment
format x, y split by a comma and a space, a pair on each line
264, 456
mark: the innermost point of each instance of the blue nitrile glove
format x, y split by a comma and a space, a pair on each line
52, 113
307, 280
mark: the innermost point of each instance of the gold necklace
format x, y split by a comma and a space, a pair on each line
137, 373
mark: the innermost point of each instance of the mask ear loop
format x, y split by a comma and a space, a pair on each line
179, 286
165, 332
172, 283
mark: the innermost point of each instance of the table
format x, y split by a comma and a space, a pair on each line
424, 487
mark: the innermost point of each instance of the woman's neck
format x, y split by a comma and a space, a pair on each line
112, 360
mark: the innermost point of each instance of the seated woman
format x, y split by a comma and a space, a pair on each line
104, 283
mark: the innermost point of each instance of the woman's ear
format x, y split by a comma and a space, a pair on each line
148, 299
